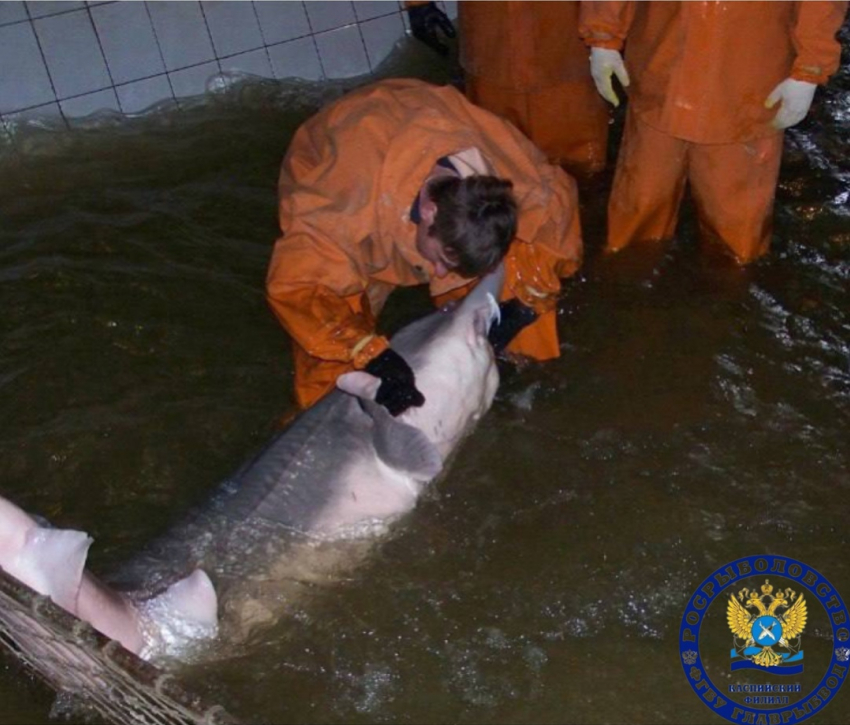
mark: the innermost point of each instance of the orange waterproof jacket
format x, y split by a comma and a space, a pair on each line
701, 71
346, 187
523, 45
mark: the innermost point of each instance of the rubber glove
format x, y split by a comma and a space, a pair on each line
425, 21
513, 317
398, 390
603, 64
796, 97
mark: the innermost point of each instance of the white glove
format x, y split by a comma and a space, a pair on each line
796, 97
603, 64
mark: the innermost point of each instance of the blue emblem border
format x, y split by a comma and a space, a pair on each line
716, 584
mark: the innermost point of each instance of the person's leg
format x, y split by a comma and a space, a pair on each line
565, 121
501, 100
733, 186
648, 186
569, 122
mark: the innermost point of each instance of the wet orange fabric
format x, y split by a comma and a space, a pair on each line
732, 185
700, 74
346, 186
314, 376
701, 71
525, 61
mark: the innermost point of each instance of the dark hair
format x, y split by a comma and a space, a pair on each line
476, 221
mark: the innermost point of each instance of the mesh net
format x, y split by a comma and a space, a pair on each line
90, 670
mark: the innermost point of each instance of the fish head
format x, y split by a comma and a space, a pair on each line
453, 363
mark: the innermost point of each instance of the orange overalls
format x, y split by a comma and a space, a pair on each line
525, 61
346, 187
700, 74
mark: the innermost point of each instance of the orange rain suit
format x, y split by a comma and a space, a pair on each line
700, 74
346, 187
525, 61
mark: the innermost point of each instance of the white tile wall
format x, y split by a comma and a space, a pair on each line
296, 59
182, 32
329, 14
24, 81
255, 62
234, 27
73, 55
192, 81
42, 8
367, 10
90, 103
342, 52
380, 36
138, 96
50, 113
282, 21
127, 37
12, 12
64, 60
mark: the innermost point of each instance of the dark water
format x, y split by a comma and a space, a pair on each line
698, 414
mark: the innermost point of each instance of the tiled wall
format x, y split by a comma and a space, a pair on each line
68, 59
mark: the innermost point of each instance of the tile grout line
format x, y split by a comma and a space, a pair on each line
46, 68
263, 38
105, 63
210, 36
161, 54
315, 44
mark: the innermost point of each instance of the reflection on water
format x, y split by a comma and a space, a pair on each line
699, 413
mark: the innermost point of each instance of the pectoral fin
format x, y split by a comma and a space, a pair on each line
401, 446
52, 562
193, 598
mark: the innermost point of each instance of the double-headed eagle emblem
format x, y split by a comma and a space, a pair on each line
758, 632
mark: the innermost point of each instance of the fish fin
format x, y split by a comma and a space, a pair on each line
51, 561
185, 613
485, 315
193, 598
360, 384
401, 446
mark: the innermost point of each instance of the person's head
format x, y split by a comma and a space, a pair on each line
467, 224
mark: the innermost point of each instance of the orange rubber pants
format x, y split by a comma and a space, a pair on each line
733, 187
566, 121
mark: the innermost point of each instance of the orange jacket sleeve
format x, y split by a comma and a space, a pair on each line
541, 256
315, 292
817, 50
604, 23
533, 274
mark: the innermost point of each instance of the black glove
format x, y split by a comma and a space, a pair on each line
397, 391
425, 22
514, 316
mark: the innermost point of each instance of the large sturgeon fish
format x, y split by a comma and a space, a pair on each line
342, 470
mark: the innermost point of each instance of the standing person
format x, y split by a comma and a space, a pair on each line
711, 86
525, 61
405, 183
